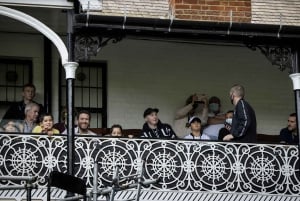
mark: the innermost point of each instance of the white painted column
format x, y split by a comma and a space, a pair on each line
70, 67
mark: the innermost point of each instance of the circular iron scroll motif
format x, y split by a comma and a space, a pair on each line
213, 166
29, 156
164, 160
109, 154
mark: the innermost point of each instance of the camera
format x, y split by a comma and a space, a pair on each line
199, 102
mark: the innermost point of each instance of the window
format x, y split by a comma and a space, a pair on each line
90, 91
14, 73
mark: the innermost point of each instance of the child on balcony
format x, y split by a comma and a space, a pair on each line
116, 130
12, 127
46, 125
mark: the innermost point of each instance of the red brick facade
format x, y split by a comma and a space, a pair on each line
212, 10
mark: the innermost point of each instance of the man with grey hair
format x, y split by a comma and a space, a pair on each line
16, 110
244, 120
31, 116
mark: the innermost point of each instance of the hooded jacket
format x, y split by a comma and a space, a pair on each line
161, 131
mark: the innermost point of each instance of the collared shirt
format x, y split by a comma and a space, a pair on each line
28, 127
288, 137
76, 132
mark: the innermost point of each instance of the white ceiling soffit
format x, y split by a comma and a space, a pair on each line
91, 5
64, 4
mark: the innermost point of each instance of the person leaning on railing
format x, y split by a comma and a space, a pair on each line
46, 125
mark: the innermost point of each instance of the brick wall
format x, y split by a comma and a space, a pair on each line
136, 8
285, 12
212, 10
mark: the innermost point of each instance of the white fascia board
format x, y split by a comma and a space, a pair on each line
63, 4
91, 5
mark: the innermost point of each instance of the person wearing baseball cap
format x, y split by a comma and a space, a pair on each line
154, 128
195, 126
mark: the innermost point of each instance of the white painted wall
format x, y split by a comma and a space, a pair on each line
145, 74
25, 46
159, 74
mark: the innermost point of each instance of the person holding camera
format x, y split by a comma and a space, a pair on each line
196, 105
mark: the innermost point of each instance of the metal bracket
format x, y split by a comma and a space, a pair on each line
88, 46
277, 55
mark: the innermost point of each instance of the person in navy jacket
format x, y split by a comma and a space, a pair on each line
244, 120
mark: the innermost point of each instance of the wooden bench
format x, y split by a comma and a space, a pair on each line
126, 132
261, 138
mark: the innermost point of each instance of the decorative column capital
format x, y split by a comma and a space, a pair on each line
70, 68
296, 80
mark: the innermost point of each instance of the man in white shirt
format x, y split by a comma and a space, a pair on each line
195, 126
83, 124
31, 116
215, 118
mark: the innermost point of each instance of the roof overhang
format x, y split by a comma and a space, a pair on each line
62, 4
191, 30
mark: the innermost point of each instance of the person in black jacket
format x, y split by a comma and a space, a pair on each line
17, 110
153, 128
289, 135
244, 120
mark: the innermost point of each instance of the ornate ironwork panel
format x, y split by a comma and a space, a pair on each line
181, 165
277, 55
89, 46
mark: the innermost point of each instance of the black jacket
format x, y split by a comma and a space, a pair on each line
17, 111
162, 131
244, 122
288, 137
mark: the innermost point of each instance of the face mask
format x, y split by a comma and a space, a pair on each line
229, 121
214, 107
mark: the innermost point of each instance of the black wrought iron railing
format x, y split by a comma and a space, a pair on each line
180, 165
